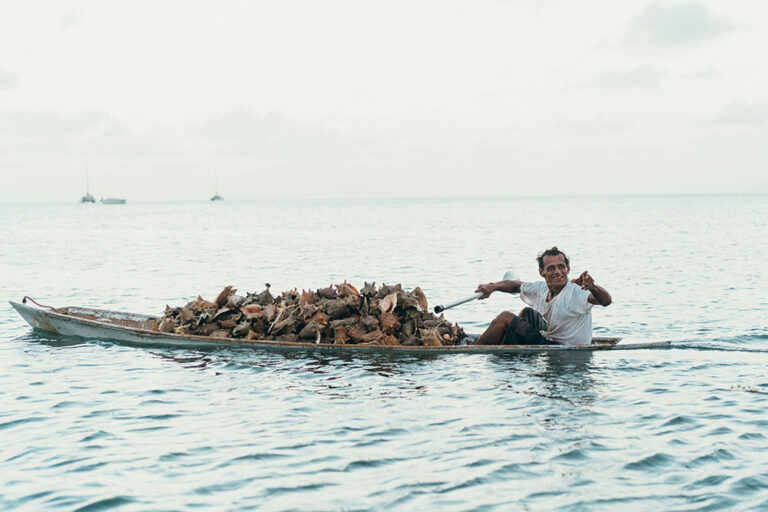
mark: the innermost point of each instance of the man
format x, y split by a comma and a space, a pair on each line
560, 312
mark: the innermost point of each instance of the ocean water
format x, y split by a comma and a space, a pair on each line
95, 425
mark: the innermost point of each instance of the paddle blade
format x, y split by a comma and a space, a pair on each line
511, 275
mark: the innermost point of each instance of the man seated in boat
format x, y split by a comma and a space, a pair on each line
560, 311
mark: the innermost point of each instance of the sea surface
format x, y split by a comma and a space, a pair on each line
90, 424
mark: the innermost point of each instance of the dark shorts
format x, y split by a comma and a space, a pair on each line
525, 329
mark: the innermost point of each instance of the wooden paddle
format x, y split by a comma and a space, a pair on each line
509, 275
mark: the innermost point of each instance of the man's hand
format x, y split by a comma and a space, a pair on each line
598, 294
486, 290
585, 281
500, 286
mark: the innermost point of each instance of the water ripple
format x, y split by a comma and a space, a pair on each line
653, 462
19, 422
106, 504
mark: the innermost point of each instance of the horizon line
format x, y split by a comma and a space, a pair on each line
413, 198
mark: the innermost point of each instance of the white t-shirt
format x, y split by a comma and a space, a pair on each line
568, 315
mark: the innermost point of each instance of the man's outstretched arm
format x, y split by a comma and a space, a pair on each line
598, 294
499, 286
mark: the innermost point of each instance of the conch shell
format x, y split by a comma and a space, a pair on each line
252, 310
421, 298
327, 293
369, 289
307, 297
375, 336
430, 338
221, 300
389, 323
344, 289
390, 340
388, 303
340, 335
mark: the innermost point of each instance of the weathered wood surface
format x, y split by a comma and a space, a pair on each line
138, 329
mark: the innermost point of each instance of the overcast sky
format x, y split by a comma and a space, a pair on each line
354, 98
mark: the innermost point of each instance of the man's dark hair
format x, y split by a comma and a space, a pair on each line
554, 251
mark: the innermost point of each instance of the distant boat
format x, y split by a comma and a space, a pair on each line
112, 200
87, 198
216, 196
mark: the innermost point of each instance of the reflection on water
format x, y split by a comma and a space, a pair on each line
563, 375
384, 364
570, 376
50, 339
566, 375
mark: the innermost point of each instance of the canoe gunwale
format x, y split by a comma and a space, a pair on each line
34, 315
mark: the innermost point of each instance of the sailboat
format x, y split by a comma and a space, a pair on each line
88, 197
216, 196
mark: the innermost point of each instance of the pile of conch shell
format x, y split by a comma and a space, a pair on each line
339, 314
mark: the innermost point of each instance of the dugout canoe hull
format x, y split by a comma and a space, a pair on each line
101, 324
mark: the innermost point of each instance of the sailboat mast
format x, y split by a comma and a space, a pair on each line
216, 196
88, 175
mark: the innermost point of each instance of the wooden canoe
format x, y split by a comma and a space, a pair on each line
135, 328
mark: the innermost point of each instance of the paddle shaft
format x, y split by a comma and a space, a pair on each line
442, 307
509, 274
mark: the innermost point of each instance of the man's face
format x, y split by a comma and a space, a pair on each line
555, 271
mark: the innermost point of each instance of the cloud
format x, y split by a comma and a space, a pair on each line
678, 24
242, 122
741, 113
241, 130
597, 125
639, 77
44, 124
121, 141
706, 73
70, 19
48, 132
7, 80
